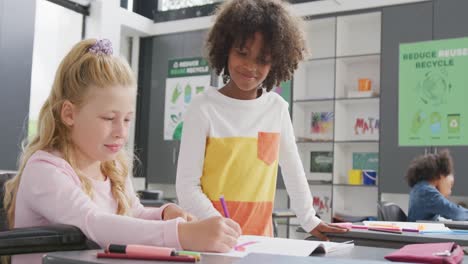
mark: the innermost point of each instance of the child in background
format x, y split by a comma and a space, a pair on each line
235, 137
75, 170
431, 179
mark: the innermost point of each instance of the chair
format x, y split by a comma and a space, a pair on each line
391, 212
281, 213
38, 239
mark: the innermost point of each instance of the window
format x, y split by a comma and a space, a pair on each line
164, 5
57, 29
127, 4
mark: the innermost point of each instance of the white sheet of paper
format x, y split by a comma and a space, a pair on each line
281, 246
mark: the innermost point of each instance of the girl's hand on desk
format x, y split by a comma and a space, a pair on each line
214, 234
326, 228
173, 211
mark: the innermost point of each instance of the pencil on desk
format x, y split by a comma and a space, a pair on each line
396, 227
223, 204
386, 230
383, 225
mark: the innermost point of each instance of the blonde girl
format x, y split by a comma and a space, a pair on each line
75, 170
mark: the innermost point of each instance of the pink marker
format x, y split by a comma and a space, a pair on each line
223, 204
140, 250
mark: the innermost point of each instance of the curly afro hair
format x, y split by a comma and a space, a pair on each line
429, 167
238, 20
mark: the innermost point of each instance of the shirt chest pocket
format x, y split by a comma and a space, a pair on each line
268, 147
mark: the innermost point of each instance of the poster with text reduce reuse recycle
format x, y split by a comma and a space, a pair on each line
186, 78
433, 90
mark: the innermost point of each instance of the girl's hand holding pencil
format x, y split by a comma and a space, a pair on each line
214, 234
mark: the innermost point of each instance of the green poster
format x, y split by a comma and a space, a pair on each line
366, 161
186, 77
433, 85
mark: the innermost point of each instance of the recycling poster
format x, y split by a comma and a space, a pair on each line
433, 89
186, 78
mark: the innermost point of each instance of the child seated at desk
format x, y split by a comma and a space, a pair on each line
75, 171
431, 179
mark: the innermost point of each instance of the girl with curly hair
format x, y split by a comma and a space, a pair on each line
234, 138
431, 179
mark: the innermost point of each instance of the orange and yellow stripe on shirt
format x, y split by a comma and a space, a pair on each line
244, 170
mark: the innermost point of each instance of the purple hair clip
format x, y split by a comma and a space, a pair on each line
102, 47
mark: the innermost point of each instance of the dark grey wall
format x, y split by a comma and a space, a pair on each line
159, 157
450, 19
16, 47
436, 19
399, 25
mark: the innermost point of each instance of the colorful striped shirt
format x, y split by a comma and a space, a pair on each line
233, 148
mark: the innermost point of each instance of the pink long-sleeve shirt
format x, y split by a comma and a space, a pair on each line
50, 192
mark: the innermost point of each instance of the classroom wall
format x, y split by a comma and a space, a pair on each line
398, 26
16, 47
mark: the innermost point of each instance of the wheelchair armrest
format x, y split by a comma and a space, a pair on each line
43, 239
153, 203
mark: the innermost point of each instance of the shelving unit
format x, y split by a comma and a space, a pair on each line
331, 119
